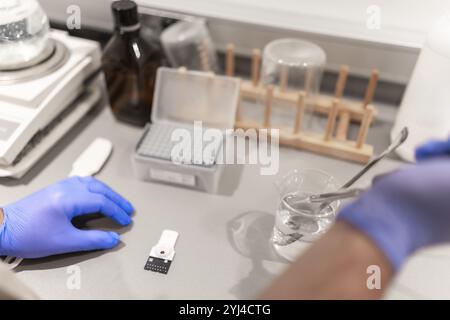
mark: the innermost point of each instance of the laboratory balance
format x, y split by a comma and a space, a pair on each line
48, 83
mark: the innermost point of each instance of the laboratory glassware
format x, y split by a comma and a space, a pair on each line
130, 62
24, 34
296, 217
188, 44
292, 66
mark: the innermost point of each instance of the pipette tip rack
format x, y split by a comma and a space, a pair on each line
340, 112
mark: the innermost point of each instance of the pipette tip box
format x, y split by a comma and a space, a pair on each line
184, 142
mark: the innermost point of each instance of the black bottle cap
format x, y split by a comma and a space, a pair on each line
125, 13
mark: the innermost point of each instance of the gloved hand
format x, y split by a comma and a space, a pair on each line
432, 149
405, 210
40, 224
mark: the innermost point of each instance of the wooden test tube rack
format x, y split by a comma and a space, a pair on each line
339, 112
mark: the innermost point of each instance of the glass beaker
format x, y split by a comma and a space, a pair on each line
24, 34
292, 66
297, 219
188, 44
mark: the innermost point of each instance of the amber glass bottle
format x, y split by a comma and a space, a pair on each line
130, 62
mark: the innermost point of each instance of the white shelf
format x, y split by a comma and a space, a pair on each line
324, 17
338, 26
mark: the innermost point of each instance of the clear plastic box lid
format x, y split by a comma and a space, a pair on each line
187, 96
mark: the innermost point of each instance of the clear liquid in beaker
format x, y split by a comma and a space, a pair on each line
306, 223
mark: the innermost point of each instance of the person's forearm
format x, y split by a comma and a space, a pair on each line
343, 264
1, 216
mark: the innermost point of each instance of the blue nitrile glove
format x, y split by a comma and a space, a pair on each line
405, 210
40, 224
433, 148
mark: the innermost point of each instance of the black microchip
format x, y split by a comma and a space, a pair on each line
158, 265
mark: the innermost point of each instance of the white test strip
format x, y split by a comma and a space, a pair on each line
162, 253
165, 249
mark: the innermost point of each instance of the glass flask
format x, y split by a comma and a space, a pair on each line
24, 34
130, 62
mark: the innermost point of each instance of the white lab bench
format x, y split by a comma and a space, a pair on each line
223, 251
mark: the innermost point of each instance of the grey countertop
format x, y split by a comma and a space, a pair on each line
223, 251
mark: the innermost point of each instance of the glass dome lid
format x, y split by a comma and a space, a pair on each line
24, 34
